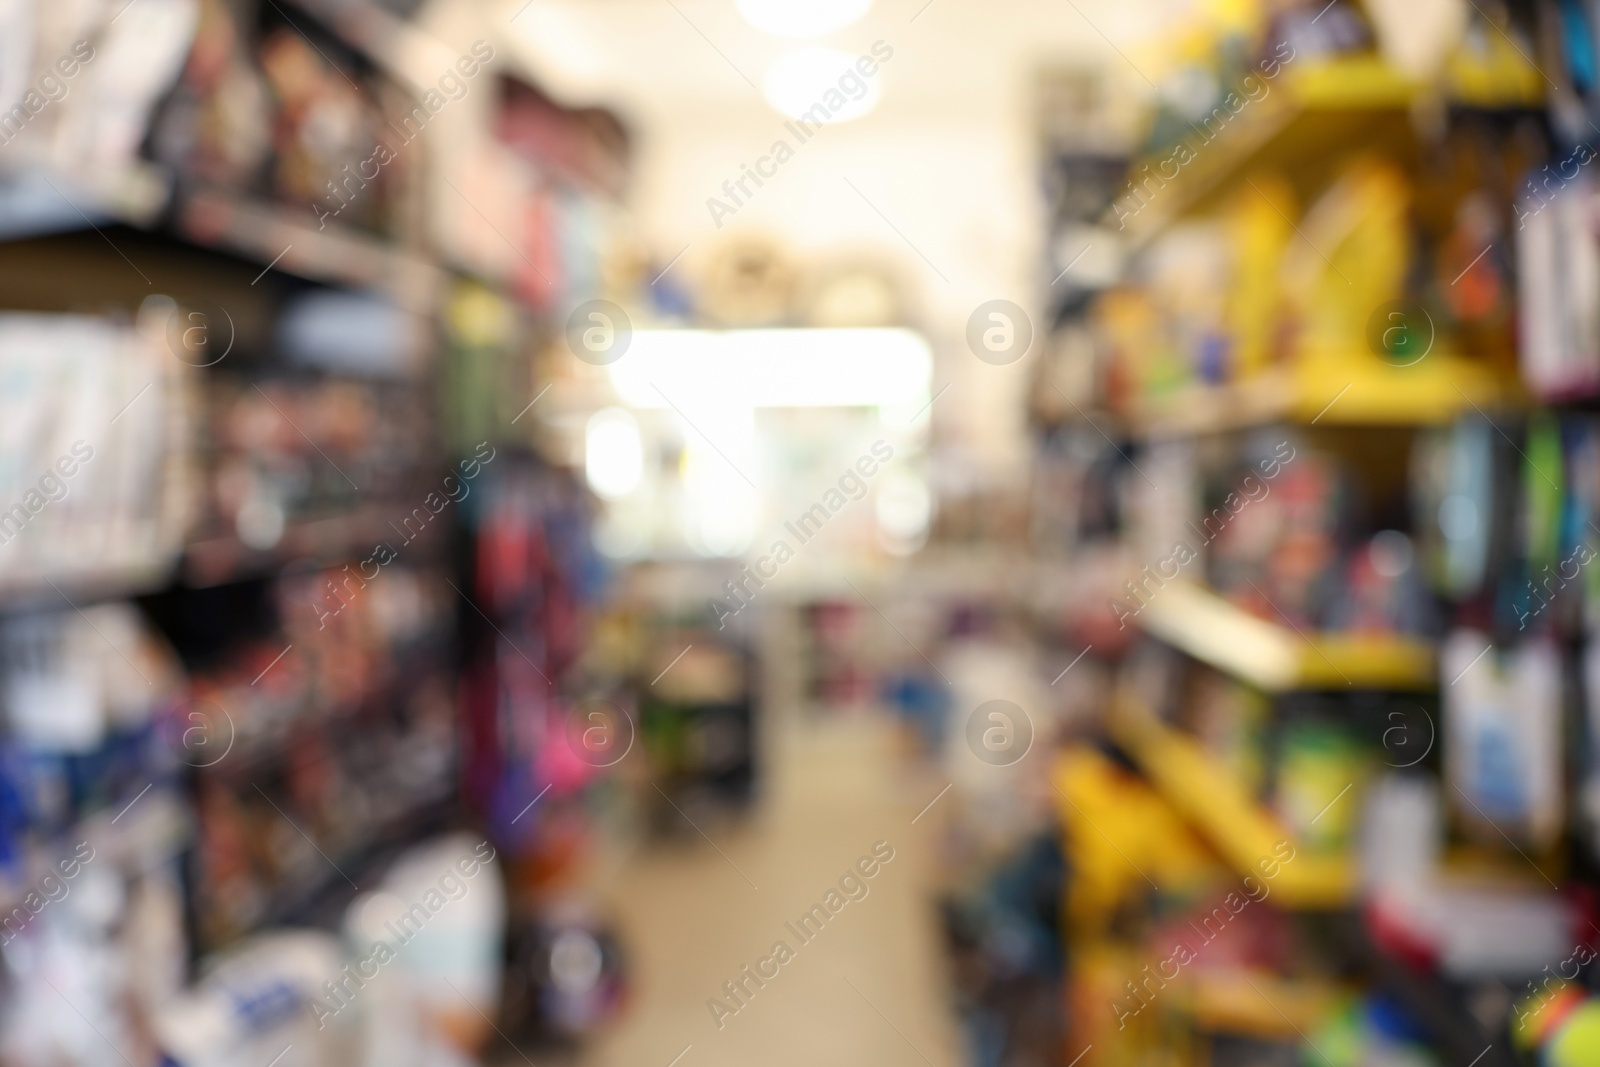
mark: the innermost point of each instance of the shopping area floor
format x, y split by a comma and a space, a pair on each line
868, 989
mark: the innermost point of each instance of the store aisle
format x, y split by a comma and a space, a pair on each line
692, 922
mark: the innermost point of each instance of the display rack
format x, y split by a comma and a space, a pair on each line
1213, 800
1315, 111
1361, 390
290, 241
1276, 658
1214, 732
286, 765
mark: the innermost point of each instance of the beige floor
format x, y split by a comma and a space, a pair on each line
869, 989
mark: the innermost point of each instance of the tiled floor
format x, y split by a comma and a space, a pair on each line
868, 989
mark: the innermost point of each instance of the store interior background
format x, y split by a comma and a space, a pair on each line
1178, 422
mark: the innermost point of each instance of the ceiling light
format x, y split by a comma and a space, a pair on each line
802, 18
820, 85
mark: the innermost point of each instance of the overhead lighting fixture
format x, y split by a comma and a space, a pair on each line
820, 85
802, 18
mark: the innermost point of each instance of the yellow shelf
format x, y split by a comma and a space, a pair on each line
1276, 658
1349, 82
1363, 389
1218, 806
1316, 111
1123, 838
1355, 389
1312, 113
1258, 1002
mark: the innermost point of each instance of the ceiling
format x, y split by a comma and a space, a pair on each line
647, 56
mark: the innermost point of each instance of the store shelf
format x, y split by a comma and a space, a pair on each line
323, 894
1310, 107
1348, 82
42, 590
1276, 658
293, 242
1311, 112
287, 239
1258, 1003
1119, 832
1224, 812
35, 201
1358, 389
332, 539
389, 42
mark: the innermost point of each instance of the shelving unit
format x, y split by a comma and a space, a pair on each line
323, 753
1311, 112
295, 244
1224, 731
1259, 1003
1362, 390
394, 45
1276, 658
1225, 813
216, 560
